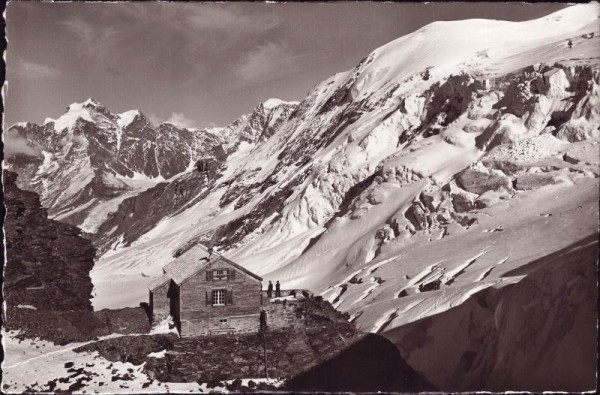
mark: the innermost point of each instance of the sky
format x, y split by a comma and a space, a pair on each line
201, 64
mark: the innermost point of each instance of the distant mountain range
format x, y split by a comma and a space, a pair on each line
87, 161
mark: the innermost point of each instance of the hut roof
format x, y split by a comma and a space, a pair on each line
158, 282
191, 262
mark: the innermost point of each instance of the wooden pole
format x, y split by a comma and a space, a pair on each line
264, 336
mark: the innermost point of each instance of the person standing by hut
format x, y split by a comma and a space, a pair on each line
263, 320
270, 289
277, 289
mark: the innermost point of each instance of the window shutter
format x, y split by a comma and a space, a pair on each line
208, 298
208, 273
232, 274
230, 297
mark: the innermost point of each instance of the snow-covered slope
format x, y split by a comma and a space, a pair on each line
537, 334
417, 146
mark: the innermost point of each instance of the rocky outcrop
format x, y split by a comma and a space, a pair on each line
47, 262
47, 285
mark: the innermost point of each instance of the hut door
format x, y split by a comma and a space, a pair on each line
174, 305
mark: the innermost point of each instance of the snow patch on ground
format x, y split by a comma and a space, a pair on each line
164, 327
158, 354
26, 306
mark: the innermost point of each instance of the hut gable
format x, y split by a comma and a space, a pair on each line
217, 269
196, 260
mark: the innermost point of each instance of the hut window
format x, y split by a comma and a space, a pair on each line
218, 297
221, 274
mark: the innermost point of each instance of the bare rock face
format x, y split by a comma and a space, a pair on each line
47, 261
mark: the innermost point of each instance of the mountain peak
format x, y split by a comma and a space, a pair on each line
125, 118
74, 112
89, 103
274, 102
92, 102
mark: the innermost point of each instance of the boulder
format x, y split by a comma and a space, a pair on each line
444, 218
479, 182
417, 217
431, 199
530, 181
463, 201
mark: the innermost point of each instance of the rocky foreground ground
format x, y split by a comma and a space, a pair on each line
322, 352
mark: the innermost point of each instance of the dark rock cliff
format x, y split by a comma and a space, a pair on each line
47, 286
48, 262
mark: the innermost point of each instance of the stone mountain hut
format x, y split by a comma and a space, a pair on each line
207, 295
